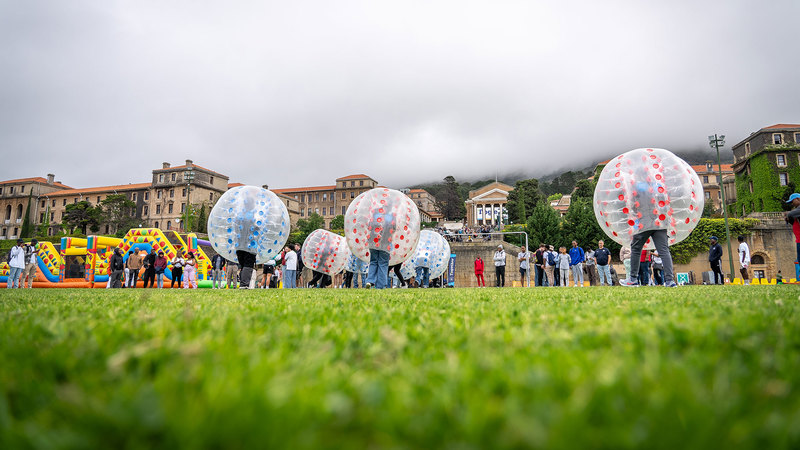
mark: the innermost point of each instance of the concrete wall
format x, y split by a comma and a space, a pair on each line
466, 252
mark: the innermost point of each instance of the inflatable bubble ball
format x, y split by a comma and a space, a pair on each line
382, 219
648, 189
325, 252
251, 219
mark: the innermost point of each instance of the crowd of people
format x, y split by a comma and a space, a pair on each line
467, 234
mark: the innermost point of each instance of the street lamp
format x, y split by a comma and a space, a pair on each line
188, 177
717, 141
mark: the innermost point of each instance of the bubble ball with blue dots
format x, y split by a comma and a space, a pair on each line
248, 218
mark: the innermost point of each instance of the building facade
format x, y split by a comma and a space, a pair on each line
712, 182
172, 189
487, 205
331, 200
766, 168
14, 198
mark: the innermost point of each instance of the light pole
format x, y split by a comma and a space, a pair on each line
188, 177
716, 141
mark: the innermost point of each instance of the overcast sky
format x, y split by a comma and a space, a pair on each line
293, 93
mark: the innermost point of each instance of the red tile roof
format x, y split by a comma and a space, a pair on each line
34, 180
304, 189
415, 191
726, 168
99, 189
352, 177
781, 125
233, 185
194, 166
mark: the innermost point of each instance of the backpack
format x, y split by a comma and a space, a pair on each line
551, 260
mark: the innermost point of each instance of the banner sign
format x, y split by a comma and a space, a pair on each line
451, 271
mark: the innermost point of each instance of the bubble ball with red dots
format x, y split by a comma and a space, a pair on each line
383, 219
648, 189
325, 252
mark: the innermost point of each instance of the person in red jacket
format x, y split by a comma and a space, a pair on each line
479, 272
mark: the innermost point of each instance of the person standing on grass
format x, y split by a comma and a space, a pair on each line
499, 267
557, 267
539, 265
247, 262
269, 270
550, 266
134, 264
217, 271
191, 272
793, 218
290, 269
177, 270
479, 271
299, 272
644, 267
589, 266
715, 260
625, 257
160, 266
116, 265
744, 259
150, 268
16, 264
602, 258
577, 257
658, 269
563, 266
524, 258
231, 272
29, 272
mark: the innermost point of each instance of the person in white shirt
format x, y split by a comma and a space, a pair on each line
16, 264
499, 267
524, 258
744, 260
290, 269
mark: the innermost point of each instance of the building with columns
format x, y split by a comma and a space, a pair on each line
487, 205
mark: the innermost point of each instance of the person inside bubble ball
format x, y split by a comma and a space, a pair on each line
378, 275
646, 194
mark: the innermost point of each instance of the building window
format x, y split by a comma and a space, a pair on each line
784, 178
173, 179
75, 201
183, 208
211, 180
708, 195
1, 191
158, 210
352, 194
172, 193
145, 210
64, 203
303, 198
158, 194
324, 197
8, 212
41, 217
797, 138
22, 189
133, 197
146, 196
361, 183
183, 192
54, 203
302, 212
746, 149
352, 184
324, 211
344, 210
777, 138
343, 195
161, 178
719, 195
169, 223
317, 196
751, 187
705, 179
781, 160
211, 196
43, 203
155, 224
52, 217
316, 210
169, 208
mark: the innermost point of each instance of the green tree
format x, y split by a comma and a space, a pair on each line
448, 200
556, 196
337, 223
584, 189
306, 227
523, 199
708, 209
117, 211
82, 215
202, 221
544, 226
26, 222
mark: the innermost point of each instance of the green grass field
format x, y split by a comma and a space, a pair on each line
694, 367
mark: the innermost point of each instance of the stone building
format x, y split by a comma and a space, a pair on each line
766, 164
173, 188
709, 176
487, 205
56, 202
14, 197
329, 201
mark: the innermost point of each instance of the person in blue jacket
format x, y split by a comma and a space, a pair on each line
576, 259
